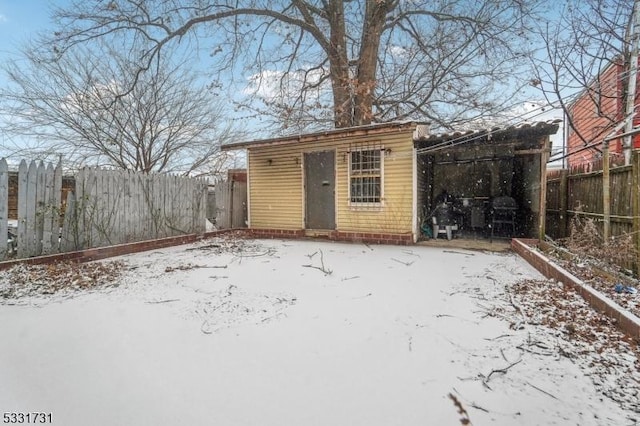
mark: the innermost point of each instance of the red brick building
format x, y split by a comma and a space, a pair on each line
594, 114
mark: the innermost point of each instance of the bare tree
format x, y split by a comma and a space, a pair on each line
337, 61
76, 105
587, 52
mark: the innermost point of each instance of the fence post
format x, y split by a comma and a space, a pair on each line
70, 234
57, 203
32, 184
40, 207
542, 215
563, 194
4, 207
635, 205
22, 209
606, 192
48, 228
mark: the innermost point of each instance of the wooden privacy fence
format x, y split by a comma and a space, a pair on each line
116, 206
583, 194
107, 207
231, 204
39, 193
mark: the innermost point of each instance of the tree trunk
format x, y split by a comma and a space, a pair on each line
353, 94
365, 81
339, 66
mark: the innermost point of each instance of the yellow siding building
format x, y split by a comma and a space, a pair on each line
378, 183
367, 175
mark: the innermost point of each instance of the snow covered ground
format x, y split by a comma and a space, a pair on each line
256, 332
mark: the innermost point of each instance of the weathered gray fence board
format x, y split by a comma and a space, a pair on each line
231, 204
32, 181
40, 207
48, 225
113, 207
239, 205
56, 207
69, 241
4, 207
39, 193
223, 203
107, 207
22, 209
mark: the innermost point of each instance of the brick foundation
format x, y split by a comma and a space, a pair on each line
626, 321
358, 237
371, 238
275, 233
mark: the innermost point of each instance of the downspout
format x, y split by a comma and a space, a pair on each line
416, 231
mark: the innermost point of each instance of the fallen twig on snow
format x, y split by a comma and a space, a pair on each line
322, 268
350, 278
404, 263
471, 403
362, 297
542, 390
518, 308
205, 328
257, 254
189, 266
464, 419
205, 247
503, 356
162, 301
458, 252
498, 337
318, 268
489, 277
218, 277
501, 370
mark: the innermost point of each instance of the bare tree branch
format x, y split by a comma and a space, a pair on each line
453, 53
76, 106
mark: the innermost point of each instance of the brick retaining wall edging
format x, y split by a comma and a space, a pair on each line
99, 253
625, 320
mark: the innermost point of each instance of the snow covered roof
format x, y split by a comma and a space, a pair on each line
421, 133
547, 127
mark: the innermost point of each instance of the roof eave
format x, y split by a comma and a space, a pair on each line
378, 128
540, 128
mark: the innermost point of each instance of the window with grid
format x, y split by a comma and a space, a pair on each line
365, 179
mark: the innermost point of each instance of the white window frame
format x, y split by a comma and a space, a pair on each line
351, 174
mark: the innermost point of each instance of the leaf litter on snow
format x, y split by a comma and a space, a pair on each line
26, 284
586, 336
553, 321
22, 283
